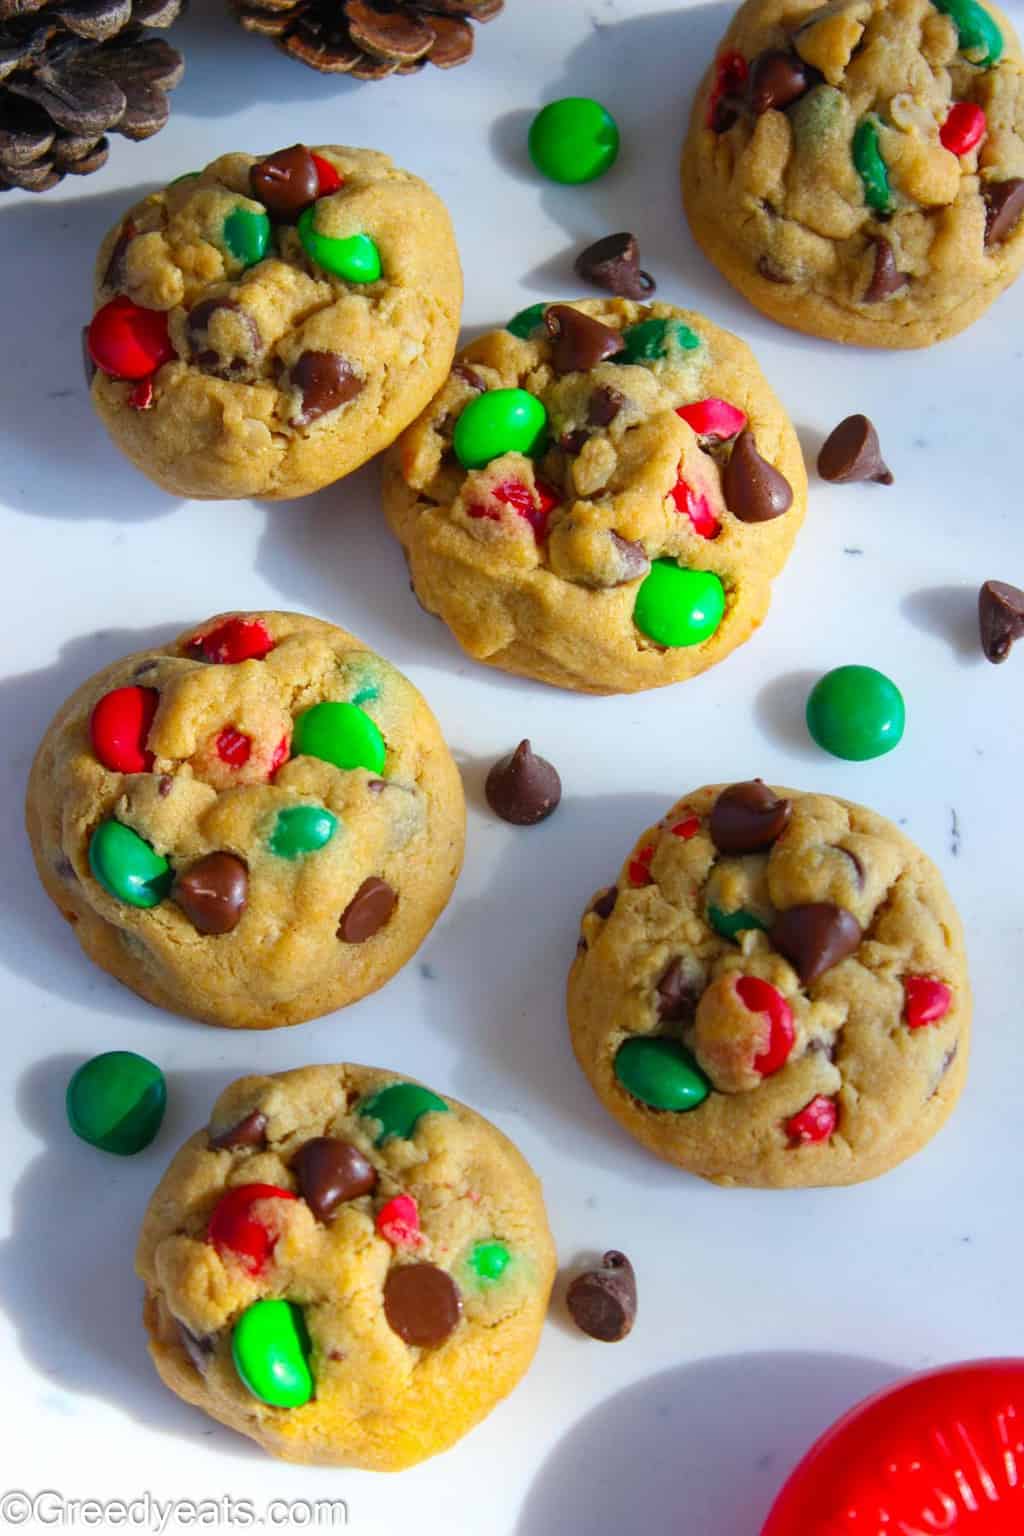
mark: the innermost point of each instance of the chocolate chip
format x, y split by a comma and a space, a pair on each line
113, 277
331, 1171
198, 1347
770, 272
679, 991
602, 1302
851, 452
213, 893
748, 817
632, 557
605, 404
1004, 204
754, 490
469, 376
368, 911
245, 346
574, 442
886, 279
523, 788
580, 341
422, 1304
88, 365
725, 113
326, 380
250, 1132
815, 937
614, 263
286, 183
776, 78
1001, 618
604, 904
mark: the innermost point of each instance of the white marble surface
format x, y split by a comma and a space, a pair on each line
761, 1315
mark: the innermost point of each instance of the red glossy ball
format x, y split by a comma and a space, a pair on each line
119, 726
127, 341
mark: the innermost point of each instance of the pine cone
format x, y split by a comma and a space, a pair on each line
369, 39
72, 71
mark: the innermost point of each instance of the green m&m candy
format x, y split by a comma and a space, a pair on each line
574, 139
398, 1108
300, 829
874, 175
352, 257
489, 1260
247, 235
978, 34
730, 924
654, 339
342, 734
270, 1348
500, 421
856, 713
116, 1102
675, 606
127, 867
527, 321
658, 1072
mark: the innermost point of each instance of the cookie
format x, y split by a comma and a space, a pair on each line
774, 993
856, 169
599, 496
253, 825
264, 327
345, 1267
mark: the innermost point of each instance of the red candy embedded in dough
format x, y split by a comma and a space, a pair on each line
535, 507
126, 341
926, 1001
235, 1229
234, 747
119, 726
330, 179
815, 1122
687, 828
964, 128
640, 867
761, 997
713, 418
233, 641
398, 1222
695, 505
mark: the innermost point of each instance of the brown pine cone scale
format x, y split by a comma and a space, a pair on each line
368, 39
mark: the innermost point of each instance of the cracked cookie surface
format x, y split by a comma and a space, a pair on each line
635, 544
254, 825
296, 320
775, 991
855, 169
413, 1329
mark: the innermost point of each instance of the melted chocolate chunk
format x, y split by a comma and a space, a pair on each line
815, 937
326, 380
250, 1132
368, 911
580, 341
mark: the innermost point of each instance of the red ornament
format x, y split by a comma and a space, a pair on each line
330, 179
234, 747
938, 1453
686, 829
697, 508
730, 80
640, 867
815, 1122
964, 128
234, 1229
761, 997
233, 641
127, 341
713, 418
926, 1001
119, 726
398, 1222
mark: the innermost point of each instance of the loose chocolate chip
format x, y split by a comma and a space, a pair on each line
331, 1171
754, 490
326, 380
198, 1347
580, 341
368, 911
207, 355
886, 279
776, 78
605, 404
604, 905
614, 263
213, 893
573, 443
602, 1302
770, 272
748, 817
113, 277
422, 1304
523, 788
633, 558
1001, 618
88, 365
851, 452
1004, 204
679, 991
815, 937
250, 1132
286, 183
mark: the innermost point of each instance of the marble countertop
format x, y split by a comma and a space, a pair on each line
761, 1315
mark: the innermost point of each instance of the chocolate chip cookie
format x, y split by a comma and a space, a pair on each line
263, 327
856, 169
253, 825
345, 1267
599, 496
774, 992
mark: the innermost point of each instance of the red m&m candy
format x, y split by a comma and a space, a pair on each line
815, 1122
964, 128
119, 726
234, 747
398, 1222
640, 867
713, 418
234, 1229
233, 641
927, 1001
761, 997
329, 178
697, 508
687, 828
535, 507
127, 341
